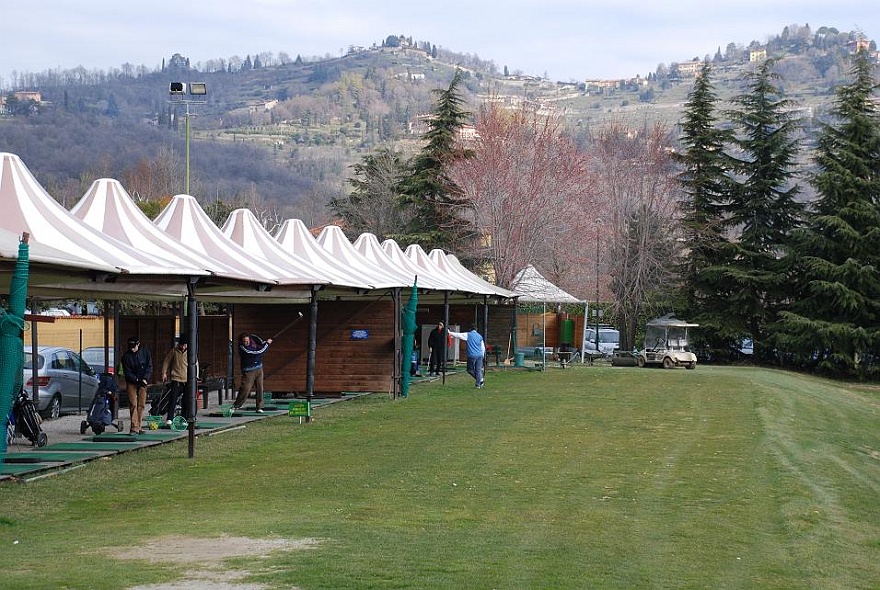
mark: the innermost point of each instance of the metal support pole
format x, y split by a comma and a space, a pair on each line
514, 331
192, 360
187, 149
313, 345
445, 335
396, 373
596, 311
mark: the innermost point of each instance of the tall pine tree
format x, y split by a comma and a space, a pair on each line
763, 209
834, 321
705, 181
439, 219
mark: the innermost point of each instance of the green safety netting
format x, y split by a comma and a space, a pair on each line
11, 342
408, 321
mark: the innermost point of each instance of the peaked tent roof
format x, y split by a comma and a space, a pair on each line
452, 265
418, 257
243, 228
27, 207
109, 208
43, 254
532, 286
334, 241
392, 257
185, 220
295, 237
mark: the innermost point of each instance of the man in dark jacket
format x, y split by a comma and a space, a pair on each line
137, 366
437, 348
250, 350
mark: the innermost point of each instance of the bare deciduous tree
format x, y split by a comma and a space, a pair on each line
527, 185
635, 172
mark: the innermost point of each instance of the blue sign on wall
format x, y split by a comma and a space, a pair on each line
360, 334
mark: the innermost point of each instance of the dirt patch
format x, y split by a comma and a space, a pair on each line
205, 557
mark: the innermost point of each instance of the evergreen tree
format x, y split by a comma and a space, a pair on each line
705, 180
112, 107
438, 220
371, 206
834, 323
763, 210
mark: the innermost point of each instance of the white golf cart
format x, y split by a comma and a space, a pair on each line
666, 341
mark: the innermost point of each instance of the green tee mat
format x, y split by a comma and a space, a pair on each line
149, 435
94, 446
37, 456
249, 413
17, 468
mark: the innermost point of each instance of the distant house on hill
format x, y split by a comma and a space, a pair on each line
25, 95
757, 55
689, 69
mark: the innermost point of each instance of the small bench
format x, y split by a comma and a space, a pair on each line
208, 385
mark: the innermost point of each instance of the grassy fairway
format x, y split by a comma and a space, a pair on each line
583, 478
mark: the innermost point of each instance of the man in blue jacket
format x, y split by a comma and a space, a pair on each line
250, 350
476, 351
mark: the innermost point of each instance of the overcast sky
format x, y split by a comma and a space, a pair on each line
564, 39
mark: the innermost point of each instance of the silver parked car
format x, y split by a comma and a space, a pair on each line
66, 382
94, 355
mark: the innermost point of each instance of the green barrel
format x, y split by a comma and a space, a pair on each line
566, 332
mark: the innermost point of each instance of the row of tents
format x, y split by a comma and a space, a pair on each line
106, 248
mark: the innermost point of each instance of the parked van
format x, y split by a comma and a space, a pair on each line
609, 341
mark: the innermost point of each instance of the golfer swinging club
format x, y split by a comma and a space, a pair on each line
250, 350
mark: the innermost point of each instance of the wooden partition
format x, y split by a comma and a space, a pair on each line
355, 345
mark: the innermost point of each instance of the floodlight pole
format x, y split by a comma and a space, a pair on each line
180, 89
186, 119
596, 311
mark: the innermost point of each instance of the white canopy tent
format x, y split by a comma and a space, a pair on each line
531, 287
185, 220
420, 259
295, 238
333, 240
453, 267
91, 263
368, 245
108, 207
243, 228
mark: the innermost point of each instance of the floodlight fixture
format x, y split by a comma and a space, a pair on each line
177, 88
198, 88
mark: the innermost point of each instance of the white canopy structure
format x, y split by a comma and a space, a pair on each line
451, 264
531, 287
88, 262
389, 255
333, 240
27, 207
108, 208
295, 238
185, 220
419, 258
243, 228
44, 254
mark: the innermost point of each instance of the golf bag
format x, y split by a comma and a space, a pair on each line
24, 420
103, 406
159, 405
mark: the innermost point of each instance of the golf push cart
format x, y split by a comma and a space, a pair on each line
666, 341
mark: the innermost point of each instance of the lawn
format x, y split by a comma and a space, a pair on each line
592, 477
